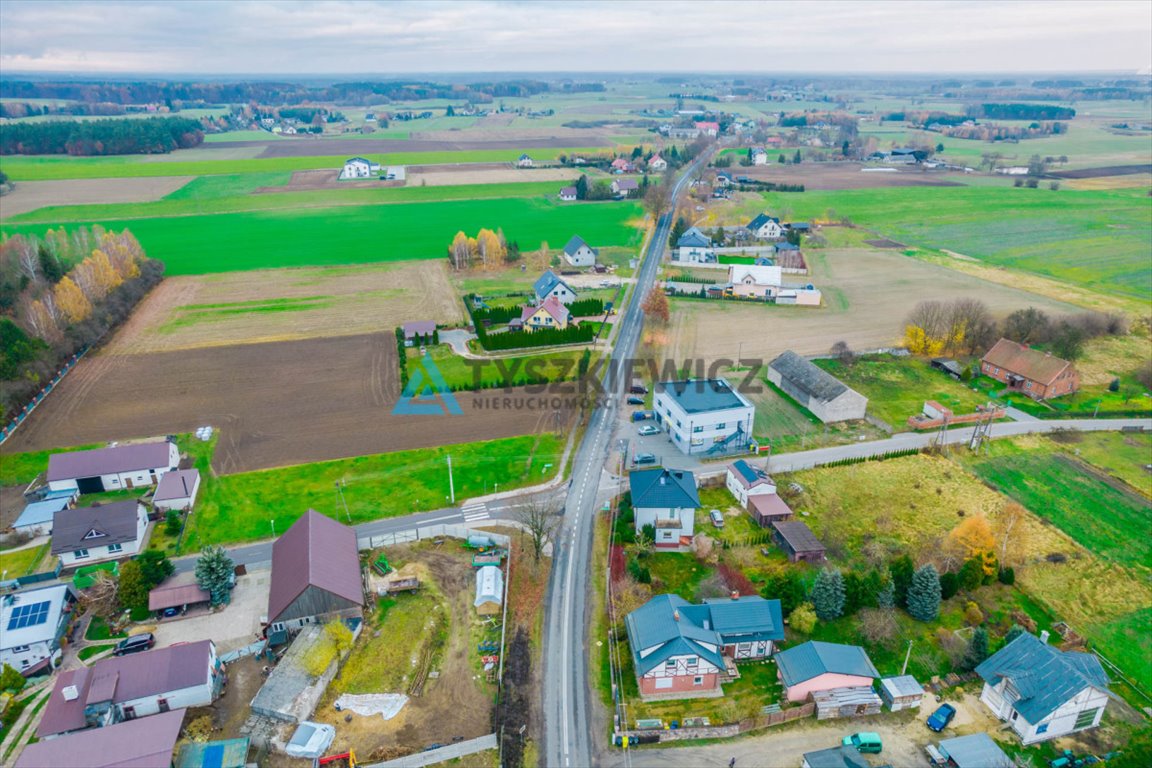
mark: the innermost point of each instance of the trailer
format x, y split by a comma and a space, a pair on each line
643, 415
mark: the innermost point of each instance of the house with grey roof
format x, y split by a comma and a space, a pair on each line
115, 468
315, 574
976, 750
177, 490
694, 247
667, 500
704, 416
765, 227
745, 480
145, 743
100, 532
843, 756
136, 685
817, 666
568, 194
551, 284
36, 518
793, 536
32, 624
828, 398
684, 650
1042, 691
625, 187
579, 254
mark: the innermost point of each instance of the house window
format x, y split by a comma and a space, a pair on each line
23, 663
1015, 715
80, 554
693, 661
20, 649
129, 713
697, 429
721, 425
698, 680
670, 665
1086, 718
1042, 728
115, 548
115, 481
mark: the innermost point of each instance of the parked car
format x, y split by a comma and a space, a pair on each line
943, 715
644, 458
717, 518
134, 644
170, 612
638, 389
649, 429
635, 400
866, 742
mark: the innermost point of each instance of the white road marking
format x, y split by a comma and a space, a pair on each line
478, 516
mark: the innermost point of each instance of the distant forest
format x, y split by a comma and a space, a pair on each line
177, 95
127, 136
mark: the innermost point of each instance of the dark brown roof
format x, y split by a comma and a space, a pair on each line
146, 742
114, 523
1027, 362
123, 678
107, 461
177, 484
419, 328
798, 536
316, 551
769, 505
177, 591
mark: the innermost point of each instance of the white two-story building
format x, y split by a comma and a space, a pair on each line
704, 415
103, 532
667, 500
31, 625
1041, 691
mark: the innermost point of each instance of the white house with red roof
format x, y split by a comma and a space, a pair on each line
657, 163
550, 313
709, 129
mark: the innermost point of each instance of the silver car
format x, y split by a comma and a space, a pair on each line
648, 429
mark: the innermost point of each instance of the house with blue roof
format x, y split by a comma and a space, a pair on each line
694, 247
765, 227
704, 416
551, 284
683, 650
36, 519
817, 666
667, 500
745, 479
1042, 691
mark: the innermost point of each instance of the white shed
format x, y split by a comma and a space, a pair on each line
489, 590
902, 692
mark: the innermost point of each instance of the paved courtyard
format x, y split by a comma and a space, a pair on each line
234, 627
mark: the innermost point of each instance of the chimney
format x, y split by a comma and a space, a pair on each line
735, 594
676, 615
1044, 636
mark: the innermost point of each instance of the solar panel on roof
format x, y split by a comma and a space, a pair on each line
28, 615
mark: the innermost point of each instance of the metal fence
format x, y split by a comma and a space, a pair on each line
240, 653
428, 532
18, 419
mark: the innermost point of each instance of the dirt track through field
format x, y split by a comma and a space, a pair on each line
839, 176
275, 404
29, 195
443, 142
867, 295
286, 304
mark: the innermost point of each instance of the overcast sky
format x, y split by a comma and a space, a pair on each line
289, 37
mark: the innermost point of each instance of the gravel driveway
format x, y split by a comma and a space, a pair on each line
234, 627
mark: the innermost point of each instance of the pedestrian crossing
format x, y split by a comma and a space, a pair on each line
475, 512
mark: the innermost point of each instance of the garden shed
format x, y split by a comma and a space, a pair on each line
489, 590
855, 701
798, 541
901, 692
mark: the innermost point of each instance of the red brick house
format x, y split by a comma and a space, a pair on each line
1037, 374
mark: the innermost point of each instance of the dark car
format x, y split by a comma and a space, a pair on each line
634, 400
134, 644
638, 389
943, 715
170, 612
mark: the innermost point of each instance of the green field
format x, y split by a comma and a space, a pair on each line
1125, 457
1109, 520
21, 562
48, 167
1096, 239
896, 388
229, 242
248, 506
460, 374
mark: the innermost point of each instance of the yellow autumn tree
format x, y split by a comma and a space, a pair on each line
973, 536
106, 275
490, 249
919, 342
71, 300
459, 251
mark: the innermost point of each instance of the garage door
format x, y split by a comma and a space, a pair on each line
90, 485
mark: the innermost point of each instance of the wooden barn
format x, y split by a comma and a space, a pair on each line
798, 541
855, 701
315, 574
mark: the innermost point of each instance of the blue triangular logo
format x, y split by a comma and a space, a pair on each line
427, 394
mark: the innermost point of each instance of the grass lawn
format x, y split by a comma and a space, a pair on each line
676, 572
21, 562
1099, 239
98, 630
385, 655
462, 373
245, 507
1124, 457
896, 388
357, 234
22, 468
785, 425
1089, 401
1109, 520
93, 650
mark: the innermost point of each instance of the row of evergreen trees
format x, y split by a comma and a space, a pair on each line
145, 136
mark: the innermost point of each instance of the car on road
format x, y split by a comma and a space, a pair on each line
644, 458
939, 719
717, 518
134, 644
649, 429
635, 400
865, 742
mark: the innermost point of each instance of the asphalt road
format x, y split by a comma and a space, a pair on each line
569, 719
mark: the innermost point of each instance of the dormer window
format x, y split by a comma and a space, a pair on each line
94, 534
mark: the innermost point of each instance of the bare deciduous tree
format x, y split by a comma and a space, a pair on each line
539, 518
102, 598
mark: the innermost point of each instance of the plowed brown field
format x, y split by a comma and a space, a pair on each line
275, 404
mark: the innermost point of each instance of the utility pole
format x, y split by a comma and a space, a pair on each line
273, 522
451, 486
340, 491
907, 656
